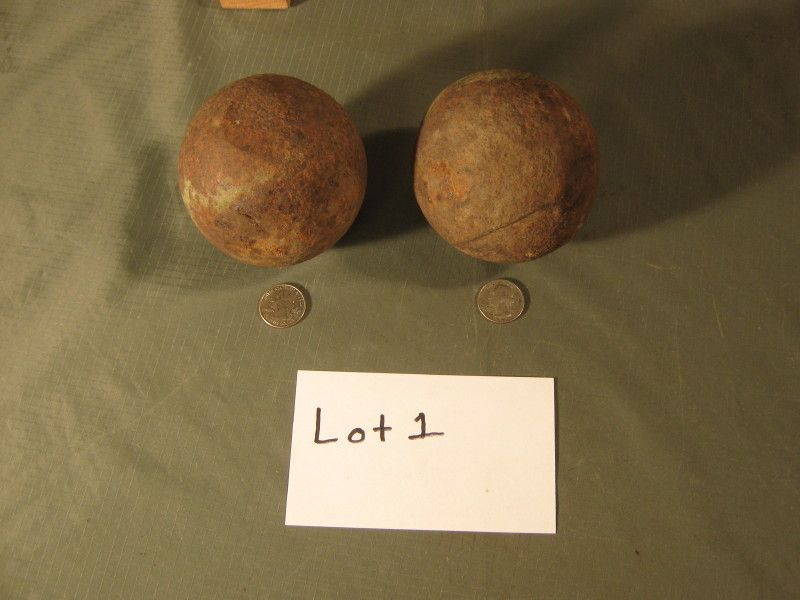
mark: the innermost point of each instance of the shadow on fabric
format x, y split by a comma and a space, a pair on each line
684, 114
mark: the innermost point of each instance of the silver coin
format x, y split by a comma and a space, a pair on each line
282, 305
501, 301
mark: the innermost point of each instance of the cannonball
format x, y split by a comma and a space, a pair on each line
506, 166
272, 170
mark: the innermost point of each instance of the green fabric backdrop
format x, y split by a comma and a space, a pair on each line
146, 410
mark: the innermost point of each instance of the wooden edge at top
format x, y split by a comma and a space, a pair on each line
255, 3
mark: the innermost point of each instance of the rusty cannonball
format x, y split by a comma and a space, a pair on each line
506, 166
272, 170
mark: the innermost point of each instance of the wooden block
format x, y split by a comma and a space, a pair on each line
255, 3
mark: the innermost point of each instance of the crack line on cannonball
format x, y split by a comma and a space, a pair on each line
499, 227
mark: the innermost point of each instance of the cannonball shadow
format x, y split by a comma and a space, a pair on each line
684, 115
389, 208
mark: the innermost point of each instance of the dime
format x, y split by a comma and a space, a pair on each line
282, 306
501, 301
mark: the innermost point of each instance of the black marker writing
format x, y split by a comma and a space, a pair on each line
316, 432
382, 428
356, 432
422, 432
